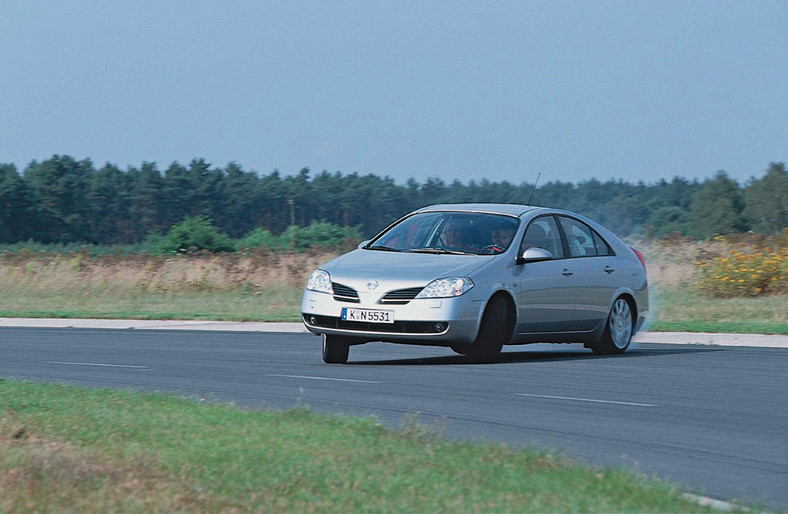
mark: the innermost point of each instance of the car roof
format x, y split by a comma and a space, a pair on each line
488, 208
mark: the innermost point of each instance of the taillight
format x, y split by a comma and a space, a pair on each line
641, 257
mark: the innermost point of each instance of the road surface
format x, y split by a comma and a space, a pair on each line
711, 419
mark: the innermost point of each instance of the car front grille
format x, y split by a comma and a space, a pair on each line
343, 293
400, 296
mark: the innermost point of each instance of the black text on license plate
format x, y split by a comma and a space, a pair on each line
367, 315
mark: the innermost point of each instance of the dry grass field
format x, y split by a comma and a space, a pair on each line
261, 286
267, 286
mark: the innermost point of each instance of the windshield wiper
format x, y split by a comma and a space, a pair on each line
440, 251
382, 248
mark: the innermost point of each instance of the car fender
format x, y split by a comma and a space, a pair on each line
628, 292
493, 290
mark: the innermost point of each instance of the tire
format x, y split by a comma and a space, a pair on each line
618, 329
335, 349
496, 330
461, 348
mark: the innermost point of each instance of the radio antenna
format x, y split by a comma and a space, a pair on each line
535, 184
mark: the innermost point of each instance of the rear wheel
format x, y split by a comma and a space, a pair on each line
496, 330
335, 349
618, 330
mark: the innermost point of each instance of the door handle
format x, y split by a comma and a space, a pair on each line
609, 270
568, 273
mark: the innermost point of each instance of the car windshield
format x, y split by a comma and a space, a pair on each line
449, 233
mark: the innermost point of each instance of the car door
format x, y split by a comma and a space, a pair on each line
544, 301
596, 280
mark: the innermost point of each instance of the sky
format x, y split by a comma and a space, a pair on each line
458, 90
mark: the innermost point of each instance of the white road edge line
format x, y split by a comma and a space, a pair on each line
99, 365
632, 404
705, 501
327, 378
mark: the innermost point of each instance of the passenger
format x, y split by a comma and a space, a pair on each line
454, 237
502, 237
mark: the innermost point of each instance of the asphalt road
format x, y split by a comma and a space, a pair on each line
711, 419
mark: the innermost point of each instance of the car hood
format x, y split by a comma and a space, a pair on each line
393, 270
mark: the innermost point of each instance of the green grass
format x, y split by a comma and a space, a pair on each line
227, 308
69, 449
683, 310
272, 304
720, 327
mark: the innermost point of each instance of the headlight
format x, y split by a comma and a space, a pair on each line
320, 281
446, 288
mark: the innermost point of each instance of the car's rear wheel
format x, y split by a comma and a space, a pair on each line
335, 349
618, 329
495, 331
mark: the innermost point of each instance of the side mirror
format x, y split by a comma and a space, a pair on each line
535, 255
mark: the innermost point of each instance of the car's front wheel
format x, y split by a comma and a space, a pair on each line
495, 331
335, 349
461, 348
618, 330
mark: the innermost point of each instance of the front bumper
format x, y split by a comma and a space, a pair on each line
439, 322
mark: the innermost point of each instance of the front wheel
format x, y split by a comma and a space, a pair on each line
461, 348
618, 330
495, 331
335, 349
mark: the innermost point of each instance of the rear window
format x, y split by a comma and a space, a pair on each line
582, 240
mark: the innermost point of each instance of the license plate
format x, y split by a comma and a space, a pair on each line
367, 315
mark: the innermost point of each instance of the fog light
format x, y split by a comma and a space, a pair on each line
440, 327
312, 320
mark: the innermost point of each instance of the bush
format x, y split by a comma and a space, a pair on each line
198, 234
317, 235
195, 234
745, 270
669, 220
324, 235
260, 238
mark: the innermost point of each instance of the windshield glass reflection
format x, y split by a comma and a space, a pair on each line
449, 233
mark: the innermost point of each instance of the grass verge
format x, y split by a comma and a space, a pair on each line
274, 303
683, 310
68, 449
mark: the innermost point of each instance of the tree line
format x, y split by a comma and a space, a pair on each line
63, 200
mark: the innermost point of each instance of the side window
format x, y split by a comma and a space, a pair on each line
543, 233
579, 238
602, 248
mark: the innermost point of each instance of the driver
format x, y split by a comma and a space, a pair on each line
454, 235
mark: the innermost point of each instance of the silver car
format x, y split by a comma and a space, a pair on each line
474, 277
